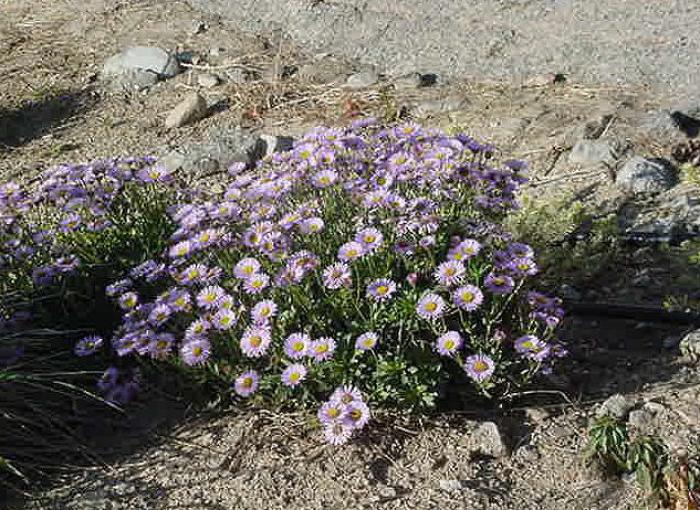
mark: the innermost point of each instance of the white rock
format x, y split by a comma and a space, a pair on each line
591, 152
641, 175
617, 406
362, 79
690, 346
192, 109
208, 81
487, 440
142, 59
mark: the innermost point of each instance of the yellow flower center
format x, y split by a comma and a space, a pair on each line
333, 412
368, 342
467, 296
321, 348
351, 253
294, 376
298, 346
197, 351
450, 271
449, 344
480, 366
247, 382
255, 341
431, 307
382, 289
369, 238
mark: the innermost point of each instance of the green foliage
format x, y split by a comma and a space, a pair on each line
690, 174
648, 459
608, 444
548, 225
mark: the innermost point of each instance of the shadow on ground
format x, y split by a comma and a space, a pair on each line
38, 116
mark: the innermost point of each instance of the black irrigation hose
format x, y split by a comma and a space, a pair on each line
636, 312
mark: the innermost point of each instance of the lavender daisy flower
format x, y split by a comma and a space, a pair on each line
345, 395
311, 226
88, 345
179, 300
224, 319
293, 375
337, 275
499, 284
128, 301
256, 283
197, 328
520, 251
522, 267
161, 345
449, 273
350, 251
531, 347
337, 433
246, 268
448, 343
263, 311
255, 342
366, 341
331, 412
297, 345
469, 248
356, 414
381, 290
195, 352
159, 315
181, 250
322, 349
370, 239
467, 298
246, 384
479, 367
430, 307
324, 178
118, 287
209, 297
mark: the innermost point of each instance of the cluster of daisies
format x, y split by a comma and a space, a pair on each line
313, 268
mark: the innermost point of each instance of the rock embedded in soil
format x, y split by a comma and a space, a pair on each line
362, 80
191, 109
640, 419
640, 175
591, 152
208, 81
140, 66
275, 143
617, 406
447, 104
690, 346
487, 440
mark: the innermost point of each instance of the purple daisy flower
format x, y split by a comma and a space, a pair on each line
179, 300
366, 341
499, 284
469, 248
331, 412
337, 433
322, 349
448, 343
263, 311
479, 367
246, 268
531, 347
255, 342
449, 273
344, 395
351, 251
224, 319
88, 345
337, 275
324, 178
522, 267
181, 250
467, 298
197, 328
128, 300
356, 414
520, 251
247, 383
195, 351
118, 287
209, 297
161, 345
311, 226
297, 345
293, 375
370, 239
381, 290
159, 314
430, 307
256, 283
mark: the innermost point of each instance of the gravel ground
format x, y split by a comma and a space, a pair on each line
594, 41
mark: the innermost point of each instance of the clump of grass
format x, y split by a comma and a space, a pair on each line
550, 226
690, 174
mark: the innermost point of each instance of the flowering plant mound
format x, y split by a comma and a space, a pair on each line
77, 227
370, 260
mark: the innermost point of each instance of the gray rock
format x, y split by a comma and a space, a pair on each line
221, 148
617, 406
140, 66
487, 440
362, 80
591, 152
690, 346
275, 143
654, 408
445, 105
451, 485
592, 129
536, 414
667, 125
208, 81
640, 419
641, 175
193, 108
416, 80
666, 215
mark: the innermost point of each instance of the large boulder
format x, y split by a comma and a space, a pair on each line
640, 175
